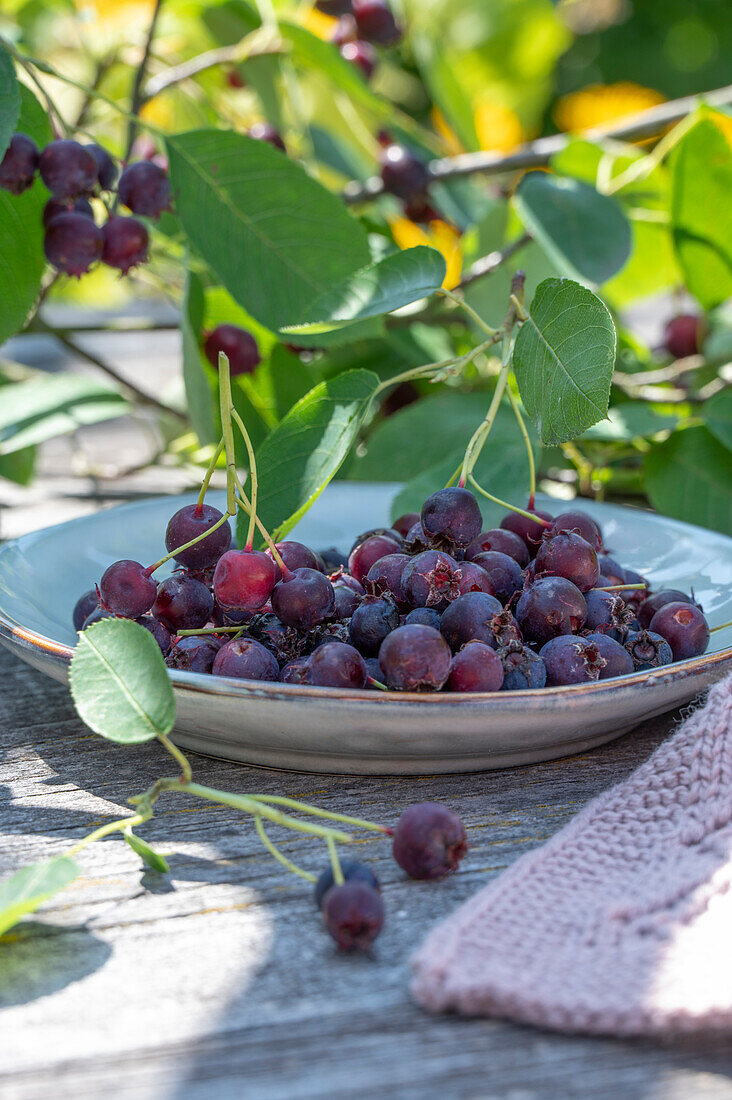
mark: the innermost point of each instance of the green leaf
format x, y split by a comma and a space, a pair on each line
586, 234
41, 408
689, 476
200, 395
701, 215
27, 889
22, 262
275, 237
9, 100
396, 281
146, 853
717, 412
19, 466
119, 682
303, 453
629, 421
563, 360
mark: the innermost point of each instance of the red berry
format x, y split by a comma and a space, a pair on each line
403, 174
265, 131
144, 189
415, 658
375, 22
126, 242
238, 345
683, 335
353, 914
19, 165
366, 553
68, 169
404, 524
73, 243
296, 555
429, 840
527, 529
505, 542
684, 628
244, 580
337, 665
127, 589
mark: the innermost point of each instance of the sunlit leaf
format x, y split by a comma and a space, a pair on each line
146, 853
27, 889
689, 476
717, 412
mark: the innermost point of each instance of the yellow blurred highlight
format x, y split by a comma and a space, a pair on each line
599, 104
439, 235
497, 126
724, 122
453, 145
318, 23
159, 112
122, 13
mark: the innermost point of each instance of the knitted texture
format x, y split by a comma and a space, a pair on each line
621, 923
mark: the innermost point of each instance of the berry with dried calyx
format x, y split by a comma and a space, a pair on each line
531, 531
503, 572
522, 668
618, 661
684, 627
451, 518
571, 660
577, 523
125, 243
430, 579
648, 650
550, 607
238, 345
468, 618
73, 243
19, 165
607, 613
68, 169
353, 914
352, 872
385, 578
284, 642
471, 578
144, 188
429, 841
415, 658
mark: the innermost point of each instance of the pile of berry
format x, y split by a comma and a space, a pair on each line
433, 603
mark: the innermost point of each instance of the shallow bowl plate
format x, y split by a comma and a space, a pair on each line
368, 732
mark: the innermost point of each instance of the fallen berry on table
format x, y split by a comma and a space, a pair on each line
353, 914
429, 840
352, 872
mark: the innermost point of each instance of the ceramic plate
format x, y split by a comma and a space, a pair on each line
365, 732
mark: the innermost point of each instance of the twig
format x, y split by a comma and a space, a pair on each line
537, 153
136, 99
223, 55
102, 69
663, 374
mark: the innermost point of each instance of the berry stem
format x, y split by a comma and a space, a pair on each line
621, 587
529, 448
475, 446
376, 683
243, 501
427, 369
275, 852
250, 806
510, 507
186, 771
208, 475
207, 630
252, 476
225, 404
722, 626
306, 808
112, 827
335, 863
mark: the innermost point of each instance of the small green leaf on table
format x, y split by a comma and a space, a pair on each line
563, 359
147, 854
27, 889
119, 682
689, 476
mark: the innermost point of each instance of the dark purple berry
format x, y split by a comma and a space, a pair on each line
471, 578
431, 580
244, 580
505, 542
475, 668
238, 345
352, 872
371, 622
375, 22
529, 530
84, 607
361, 54
415, 540
54, 207
284, 642
373, 670
246, 659
522, 668
126, 242
354, 915
387, 532
610, 568
106, 168
194, 653
346, 601
183, 603
577, 523
296, 555
368, 552
552, 606
403, 174
296, 671
415, 658
684, 628
144, 189
470, 618
429, 840
571, 660
68, 169
618, 661
159, 631
73, 243
654, 603
188, 523
385, 578
303, 599
419, 210
405, 523
97, 616
683, 335
606, 613
504, 574
265, 131
336, 665
451, 518
423, 616
19, 165
648, 650
127, 589
568, 555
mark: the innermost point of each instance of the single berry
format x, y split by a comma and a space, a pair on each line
354, 915
333, 7
429, 840
415, 658
346, 601
352, 872
470, 618
106, 168
234, 79
68, 169
238, 345
54, 207
303, 599
475, 668
327, 632
372, 621
296, 555
387, 532
418, 209
19, 165
296, 671
648, 650
159, 631
451, 518
144, 189
505, 542
550, 607
577, 523
405, 523
366, 553
471, 578
529, 530
504, 574
654, 603
126, 242
361, 54
188, 523
127, 589
606, 613
684, 628
610, 568
373, 670
194, 653
97, 616
265, 131
246, 659
571, 660
567, 555
522, 668
375, 22
415, 540
73, 243
683, 335
84, 607
617, 660
244, 580
431, 580
337, 665
183, 603
385, 578
284, 642
423, 616
403, 174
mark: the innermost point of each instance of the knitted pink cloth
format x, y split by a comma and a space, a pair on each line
622, 923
